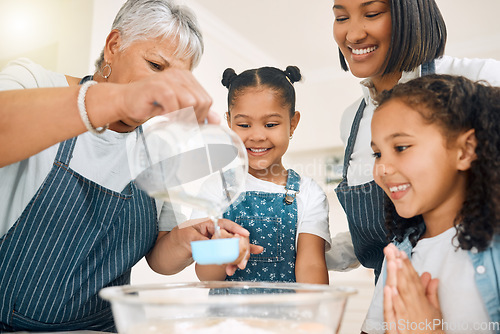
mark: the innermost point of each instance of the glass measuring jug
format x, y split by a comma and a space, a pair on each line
200, 167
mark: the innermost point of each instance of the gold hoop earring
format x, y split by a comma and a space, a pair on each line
106, 67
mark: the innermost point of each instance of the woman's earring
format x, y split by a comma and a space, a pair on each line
107, 68
291, 136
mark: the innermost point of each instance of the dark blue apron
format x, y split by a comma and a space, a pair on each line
271, 219
74, 238
364, 204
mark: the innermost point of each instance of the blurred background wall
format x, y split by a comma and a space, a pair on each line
68, 35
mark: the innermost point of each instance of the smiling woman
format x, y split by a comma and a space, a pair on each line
363, 34
386, 42
380, 45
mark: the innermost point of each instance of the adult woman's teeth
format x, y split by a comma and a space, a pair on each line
363, 51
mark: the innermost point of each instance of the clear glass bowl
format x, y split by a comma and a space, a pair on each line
228, 307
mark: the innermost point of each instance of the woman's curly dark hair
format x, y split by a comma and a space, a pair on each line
457, 105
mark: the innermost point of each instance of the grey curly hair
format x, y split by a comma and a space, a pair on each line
141, 19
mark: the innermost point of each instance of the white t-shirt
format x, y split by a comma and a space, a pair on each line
101, 158
461, 304
360, 169
312, 206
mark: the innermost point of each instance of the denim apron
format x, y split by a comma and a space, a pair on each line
74, 238
364, 204
271, 219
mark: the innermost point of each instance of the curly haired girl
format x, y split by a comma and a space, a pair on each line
436, 142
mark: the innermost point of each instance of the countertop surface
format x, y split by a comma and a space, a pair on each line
71, 332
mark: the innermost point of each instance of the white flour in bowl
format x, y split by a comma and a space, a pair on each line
230, 326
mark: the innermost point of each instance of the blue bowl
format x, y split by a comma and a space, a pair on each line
215, 251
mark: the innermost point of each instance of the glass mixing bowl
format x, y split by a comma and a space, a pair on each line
228, 307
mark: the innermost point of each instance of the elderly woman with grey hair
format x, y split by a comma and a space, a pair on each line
71, 219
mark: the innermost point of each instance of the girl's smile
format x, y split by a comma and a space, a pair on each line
257, 151
398, 191
416, 166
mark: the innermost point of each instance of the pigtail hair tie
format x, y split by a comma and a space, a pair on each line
228, 77
292, 73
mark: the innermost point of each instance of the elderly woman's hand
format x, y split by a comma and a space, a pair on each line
164, 92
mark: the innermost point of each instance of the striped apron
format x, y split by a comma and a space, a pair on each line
74, 238
364, 204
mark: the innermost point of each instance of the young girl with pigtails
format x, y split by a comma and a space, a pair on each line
285, 213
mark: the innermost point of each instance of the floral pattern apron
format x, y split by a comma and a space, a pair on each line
271, 219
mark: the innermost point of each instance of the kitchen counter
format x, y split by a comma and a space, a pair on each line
71, 332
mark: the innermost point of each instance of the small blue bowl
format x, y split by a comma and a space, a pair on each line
215, 251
